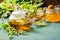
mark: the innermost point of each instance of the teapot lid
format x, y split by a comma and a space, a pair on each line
18, 14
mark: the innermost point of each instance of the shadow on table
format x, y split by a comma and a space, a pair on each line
36, 29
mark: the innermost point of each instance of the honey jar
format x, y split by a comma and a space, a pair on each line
53, 13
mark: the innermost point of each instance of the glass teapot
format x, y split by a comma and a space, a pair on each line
53, 13
19, 21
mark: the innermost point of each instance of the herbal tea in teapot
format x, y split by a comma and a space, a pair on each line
19, 21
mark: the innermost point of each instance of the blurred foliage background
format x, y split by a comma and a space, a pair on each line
8, 6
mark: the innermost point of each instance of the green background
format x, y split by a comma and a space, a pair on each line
49, 32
